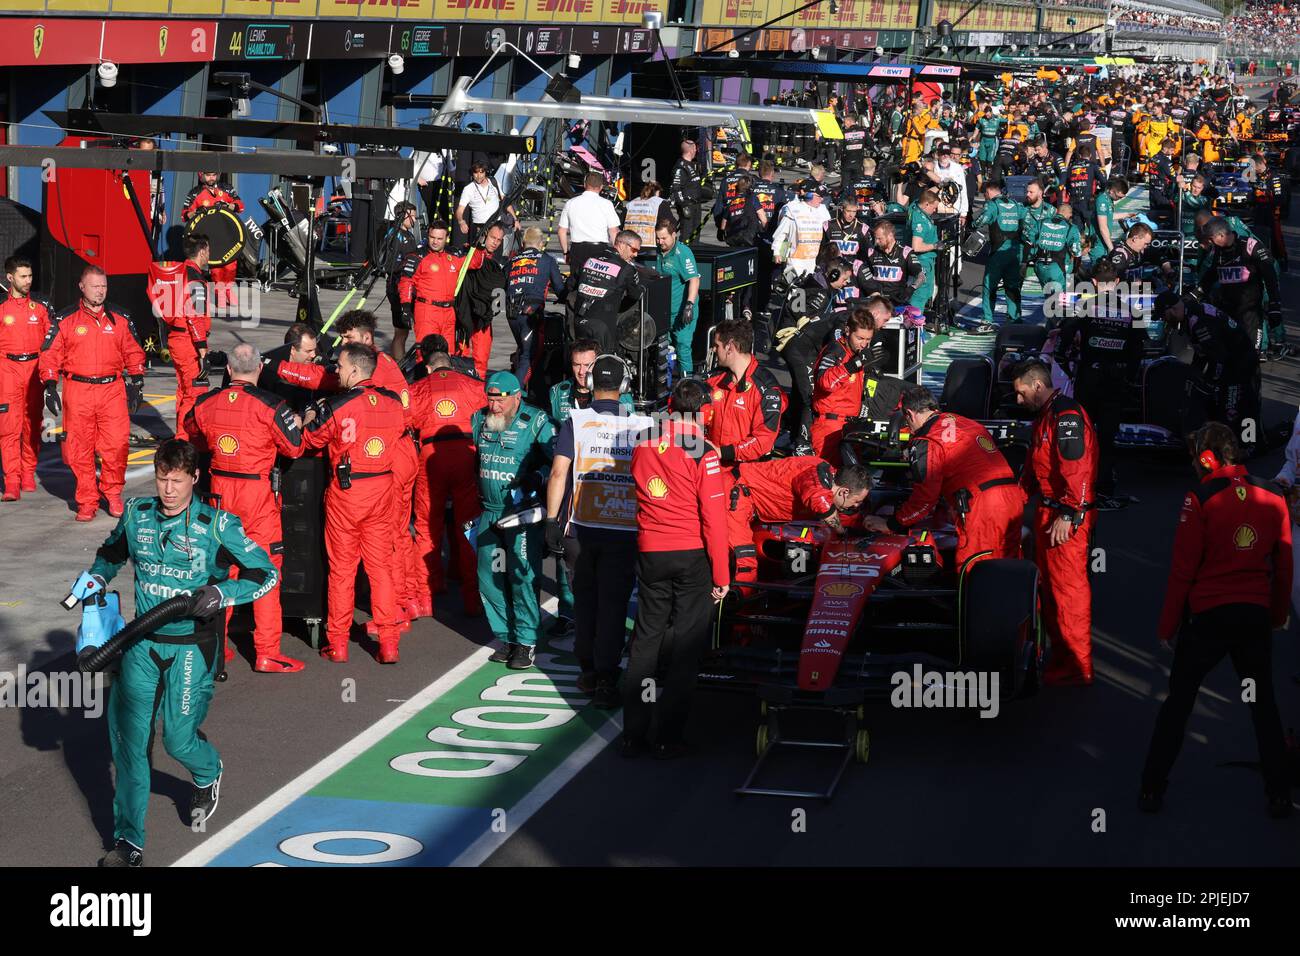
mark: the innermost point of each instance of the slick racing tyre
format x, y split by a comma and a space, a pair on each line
998, 629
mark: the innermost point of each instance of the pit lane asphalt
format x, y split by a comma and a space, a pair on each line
941, 788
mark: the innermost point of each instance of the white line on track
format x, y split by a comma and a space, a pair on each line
250, 820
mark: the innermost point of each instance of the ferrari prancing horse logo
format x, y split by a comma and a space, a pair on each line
38, 41
162, 41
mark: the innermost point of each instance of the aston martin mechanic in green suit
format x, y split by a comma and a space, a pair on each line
1004, 217
1051, 244
178, 546
514, 442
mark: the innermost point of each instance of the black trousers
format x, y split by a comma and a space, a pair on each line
1243, 633
800, 354
1103, 399
603, 576
671, 634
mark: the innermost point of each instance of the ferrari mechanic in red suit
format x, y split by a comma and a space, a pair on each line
846, 377
427, 288
955, 459
442, 404
24, 323
746, 400
803, 488
212, 192
94, 348
362, 427
244, 428
183, 309
1062, 468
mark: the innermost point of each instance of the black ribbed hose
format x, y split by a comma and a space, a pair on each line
95, 659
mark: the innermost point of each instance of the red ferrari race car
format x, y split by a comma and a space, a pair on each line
835, 620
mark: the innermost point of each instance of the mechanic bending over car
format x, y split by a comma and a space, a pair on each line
1062, 469
1231, 568
955, 459
788, 489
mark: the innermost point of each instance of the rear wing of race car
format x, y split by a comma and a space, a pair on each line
883, 444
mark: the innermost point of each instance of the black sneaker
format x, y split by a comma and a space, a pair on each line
561, 626
1279, 805
204, 801
123, 854
503, 653
607, 696
587, 682
1150, 801
522, 658
1279, 352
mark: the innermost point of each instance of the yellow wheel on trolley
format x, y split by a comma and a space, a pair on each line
862, 746
760, 742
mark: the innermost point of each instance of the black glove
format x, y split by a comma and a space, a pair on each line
858, 360
554, 536
216, 359
408, 312
688, 314
52, 400
134, 393
207, 601
202, 377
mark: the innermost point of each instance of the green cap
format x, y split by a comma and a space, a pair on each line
503, 383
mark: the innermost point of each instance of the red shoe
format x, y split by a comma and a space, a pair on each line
267, 664
418, 608
85, 516
372, 629
115, 507
336, 655
388, 653
10, 496
230, 652
29, 484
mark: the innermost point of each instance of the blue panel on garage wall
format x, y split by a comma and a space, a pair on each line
34, 92
263, 106
418, 77
341, 80
528, 83
159, 90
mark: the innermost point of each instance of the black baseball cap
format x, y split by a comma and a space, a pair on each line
607, 374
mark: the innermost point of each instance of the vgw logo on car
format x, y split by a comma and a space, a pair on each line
76, 909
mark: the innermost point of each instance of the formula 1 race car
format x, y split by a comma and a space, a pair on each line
834, 620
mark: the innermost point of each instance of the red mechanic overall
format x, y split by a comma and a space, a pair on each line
24, 323
844, 381
746, 413
362, 428
182, 304
442, 405
93, 349
430, 283
245, 428
950, 453
387, 375
1062, 465
203, 197
784, 489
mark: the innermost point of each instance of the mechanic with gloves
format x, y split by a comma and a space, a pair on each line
1225, 366
589, 491
676, 261
482, 294
24, 323
607, 286
443, 404
847, 382
95, 349
847, 236
955, 459
747, 401
802, 488
357, 327
682, 573
514, 455
892, 269
178, 545
1062, 468
1232, 570
989, 128
244, 430
811, 309
532, 271
363, 427
1107, 225
1236, 275
686, 189
182, 309
211, 191
572, 393
1126, 256
1003, 216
